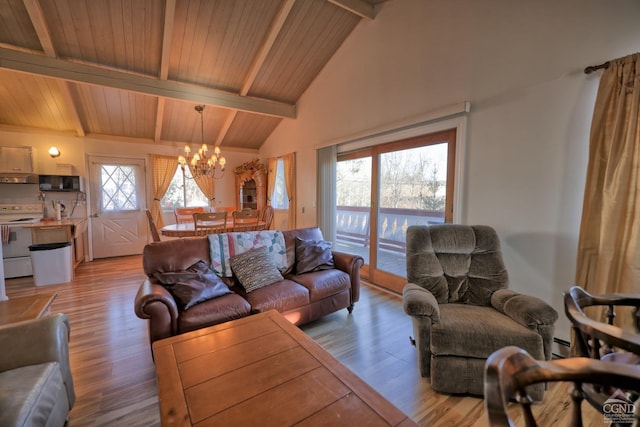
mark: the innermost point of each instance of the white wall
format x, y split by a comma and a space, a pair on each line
520, 66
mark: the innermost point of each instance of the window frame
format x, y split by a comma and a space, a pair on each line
457, 122
401, 139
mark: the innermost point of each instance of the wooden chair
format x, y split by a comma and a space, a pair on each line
152, 226
222, 209
510, 370
186, 214
246, 220
267, 217
209, 223
599, 340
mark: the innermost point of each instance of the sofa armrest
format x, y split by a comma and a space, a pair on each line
32, 342
154, 302
527, 310
417, 301
351, 265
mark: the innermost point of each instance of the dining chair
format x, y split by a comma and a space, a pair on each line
152, 226
246, 220
209, 223
222, 209
186, 214
510, 371
267, 217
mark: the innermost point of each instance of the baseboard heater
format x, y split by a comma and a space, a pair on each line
560, 349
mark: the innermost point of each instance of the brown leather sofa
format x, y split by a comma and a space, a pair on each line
301, 298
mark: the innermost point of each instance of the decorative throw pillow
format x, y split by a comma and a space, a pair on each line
313, 255
255, 269
194, 285
226, 245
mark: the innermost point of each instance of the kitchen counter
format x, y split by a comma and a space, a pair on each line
63, 223
66, 230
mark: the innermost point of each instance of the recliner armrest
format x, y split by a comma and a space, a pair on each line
527, 310
32, 342
417, 301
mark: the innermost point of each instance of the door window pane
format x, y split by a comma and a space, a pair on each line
118, 188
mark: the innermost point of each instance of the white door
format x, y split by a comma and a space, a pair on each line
118, 201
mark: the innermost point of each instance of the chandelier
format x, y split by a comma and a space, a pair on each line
202, 164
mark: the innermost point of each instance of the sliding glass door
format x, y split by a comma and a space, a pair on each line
383, 190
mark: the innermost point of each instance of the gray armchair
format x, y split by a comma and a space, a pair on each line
36, 387
461, 308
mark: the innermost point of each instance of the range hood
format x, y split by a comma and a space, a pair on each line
18, 178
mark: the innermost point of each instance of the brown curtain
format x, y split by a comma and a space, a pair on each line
609, 242
289, 162
206, 185
271, 177
162, 169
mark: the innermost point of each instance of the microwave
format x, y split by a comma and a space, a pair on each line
59, 183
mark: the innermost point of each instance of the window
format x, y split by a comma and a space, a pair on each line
280, 198
183, 191
118, 188
384, 189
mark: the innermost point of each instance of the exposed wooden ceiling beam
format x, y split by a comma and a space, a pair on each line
157, 133
167, 36
40, 25
267, 44
257, 63
228, 121
65, 90
358, 7
93, 75
42, 30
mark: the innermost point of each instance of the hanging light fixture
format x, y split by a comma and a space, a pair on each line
201, 163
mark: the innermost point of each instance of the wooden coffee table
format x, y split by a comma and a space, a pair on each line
25, 308
262, 370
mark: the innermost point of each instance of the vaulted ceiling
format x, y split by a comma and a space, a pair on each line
133, 70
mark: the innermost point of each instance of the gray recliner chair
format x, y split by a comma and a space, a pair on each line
462, 309
36, 387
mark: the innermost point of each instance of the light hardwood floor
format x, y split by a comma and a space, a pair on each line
114, 372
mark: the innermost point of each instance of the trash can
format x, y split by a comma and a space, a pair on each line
51, 263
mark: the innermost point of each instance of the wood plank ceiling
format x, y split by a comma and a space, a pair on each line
133, 70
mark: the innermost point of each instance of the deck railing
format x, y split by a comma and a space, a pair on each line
352, 225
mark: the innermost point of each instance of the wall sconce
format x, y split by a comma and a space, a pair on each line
54, 152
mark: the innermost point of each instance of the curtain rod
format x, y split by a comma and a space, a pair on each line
593, 68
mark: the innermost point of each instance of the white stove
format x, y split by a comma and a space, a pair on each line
29, 213
16, 239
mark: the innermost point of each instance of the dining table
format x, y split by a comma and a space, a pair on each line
187, 229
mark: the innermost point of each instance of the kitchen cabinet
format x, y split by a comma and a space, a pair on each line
16, 160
